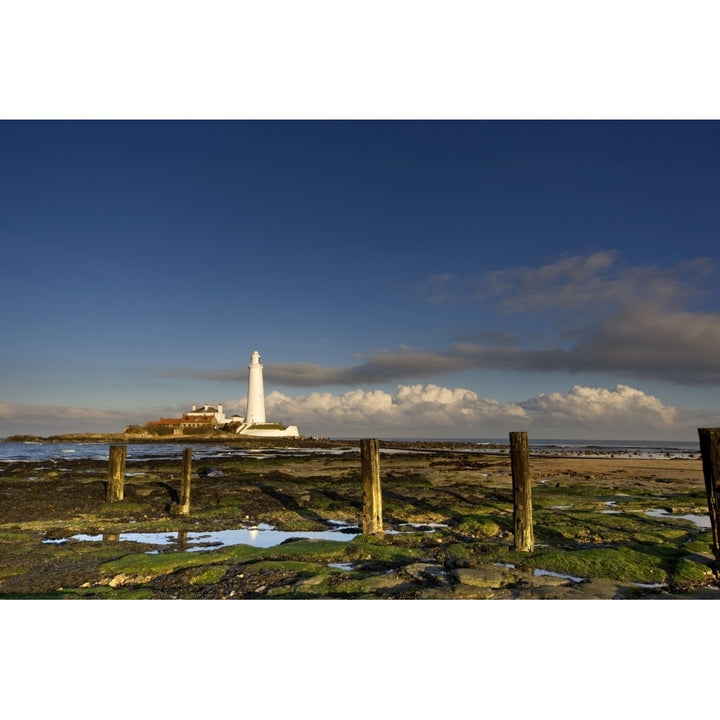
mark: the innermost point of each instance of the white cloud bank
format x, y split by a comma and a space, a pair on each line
421, 411
432, 411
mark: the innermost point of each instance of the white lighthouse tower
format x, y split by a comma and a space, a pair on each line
255, 413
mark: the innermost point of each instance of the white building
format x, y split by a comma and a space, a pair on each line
255, 424
206, 411
208, 417
255, 409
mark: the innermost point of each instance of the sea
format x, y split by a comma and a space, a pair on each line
55, 452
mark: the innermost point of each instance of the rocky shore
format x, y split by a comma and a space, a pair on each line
604, 528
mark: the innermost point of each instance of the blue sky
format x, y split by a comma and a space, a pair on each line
400, 278
451, 279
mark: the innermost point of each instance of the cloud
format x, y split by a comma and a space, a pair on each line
576, 314
413, 408
622, 409
383, 366
646, 342
434, 411
427, 411
19, 419
581, 314
573, 283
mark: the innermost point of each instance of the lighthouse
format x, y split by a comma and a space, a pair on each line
254, 424
255, 413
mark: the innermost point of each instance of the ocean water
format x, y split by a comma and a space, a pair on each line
41, 451
56, 452
681, 449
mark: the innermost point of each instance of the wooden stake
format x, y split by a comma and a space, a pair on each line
710, 451
184, 507
371, 520
116, 473
522, 494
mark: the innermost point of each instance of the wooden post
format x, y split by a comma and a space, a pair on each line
710, 451
522, 494
371, 520
116, 473
184, 507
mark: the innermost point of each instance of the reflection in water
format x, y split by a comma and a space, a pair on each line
261, 535
702, 521
342, 566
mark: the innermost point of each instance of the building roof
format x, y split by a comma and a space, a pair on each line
202, 410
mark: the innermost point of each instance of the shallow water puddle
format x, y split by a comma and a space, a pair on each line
261, 535
611, 504
538, 572
701, 521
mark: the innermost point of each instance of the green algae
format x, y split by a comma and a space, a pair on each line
145, 564
584, 527
702, 544
689, 573
379, 549
210, 575
616, 563
479, 526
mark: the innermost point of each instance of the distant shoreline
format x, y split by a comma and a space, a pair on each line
235, 440
114, 438
537, 447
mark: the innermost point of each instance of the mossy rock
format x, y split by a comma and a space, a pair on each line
615, 563
689, 574
308, 550
459, 551
292, 566
378, 549
479, 527
210, 575
15, 536
145, 565
702, 544
370, 585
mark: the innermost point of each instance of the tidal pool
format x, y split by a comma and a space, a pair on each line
702, 521
261, 535
539, 572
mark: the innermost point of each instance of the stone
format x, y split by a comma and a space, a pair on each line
491, 577
426, 571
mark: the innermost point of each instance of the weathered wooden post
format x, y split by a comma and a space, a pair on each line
116, 473
371, 520
184, 507
522, 494
710, 451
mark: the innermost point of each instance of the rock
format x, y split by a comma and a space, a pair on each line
426, 571
210, 472
545, 580
490, 577
547, 592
